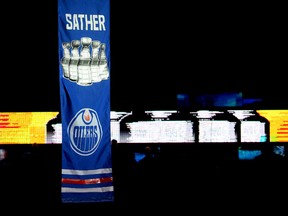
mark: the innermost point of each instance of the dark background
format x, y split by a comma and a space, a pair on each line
157, 51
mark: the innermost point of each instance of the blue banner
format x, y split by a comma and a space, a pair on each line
84, 69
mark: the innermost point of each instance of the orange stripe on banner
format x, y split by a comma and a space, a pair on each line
86, 181
282, 132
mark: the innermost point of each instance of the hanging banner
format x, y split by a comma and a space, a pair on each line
84, 65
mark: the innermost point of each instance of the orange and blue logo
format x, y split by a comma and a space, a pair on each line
85, 132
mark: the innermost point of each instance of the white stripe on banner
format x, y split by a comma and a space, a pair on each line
85, 172
83, 190
84, 72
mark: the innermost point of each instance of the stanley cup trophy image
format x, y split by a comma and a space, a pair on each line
84, 61
84, 71
74, 61
65, 61
95, 61
103, 66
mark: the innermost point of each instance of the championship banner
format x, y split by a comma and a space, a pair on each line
84, 69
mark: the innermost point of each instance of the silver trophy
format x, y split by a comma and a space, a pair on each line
103, 65
84, 72
75, 44
95, 61
65, 61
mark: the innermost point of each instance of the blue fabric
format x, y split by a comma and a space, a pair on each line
84, 73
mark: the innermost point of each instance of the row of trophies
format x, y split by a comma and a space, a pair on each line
84, 61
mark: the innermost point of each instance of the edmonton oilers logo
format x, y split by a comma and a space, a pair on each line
85, 132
